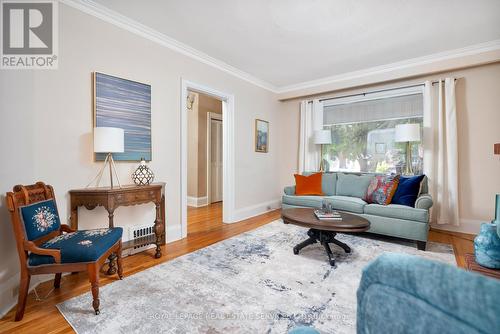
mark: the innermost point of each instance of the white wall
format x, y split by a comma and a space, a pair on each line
46, 126
478, 117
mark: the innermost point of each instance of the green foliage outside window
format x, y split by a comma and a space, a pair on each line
370, 147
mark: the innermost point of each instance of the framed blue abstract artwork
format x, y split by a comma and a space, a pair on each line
125, 104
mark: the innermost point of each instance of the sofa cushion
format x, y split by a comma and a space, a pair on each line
328, 182
346, 203
308, 184
308, 201
352, 185
397, 211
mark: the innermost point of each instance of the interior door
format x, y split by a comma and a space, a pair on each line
215, 160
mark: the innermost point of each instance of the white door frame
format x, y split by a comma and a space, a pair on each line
227, 150
210, 117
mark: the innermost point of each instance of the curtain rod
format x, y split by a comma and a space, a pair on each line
378, 91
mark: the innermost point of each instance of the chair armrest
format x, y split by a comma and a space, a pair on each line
66, 228
32, 247
290, 190
398, 291
424, 201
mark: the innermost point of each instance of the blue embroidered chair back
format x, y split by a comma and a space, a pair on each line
40, 219
35, 216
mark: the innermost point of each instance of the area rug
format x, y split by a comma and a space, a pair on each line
251, 283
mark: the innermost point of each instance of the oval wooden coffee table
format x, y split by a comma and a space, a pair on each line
324, 231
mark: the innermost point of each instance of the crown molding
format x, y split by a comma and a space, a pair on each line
101, 12
473, 55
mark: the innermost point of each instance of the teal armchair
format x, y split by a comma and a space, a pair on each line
408, 294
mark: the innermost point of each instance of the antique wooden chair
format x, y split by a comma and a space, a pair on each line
45, 246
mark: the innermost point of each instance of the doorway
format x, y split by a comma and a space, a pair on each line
207, 158
214, 158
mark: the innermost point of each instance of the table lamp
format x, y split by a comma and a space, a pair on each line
322, 137
407, 133
108, 140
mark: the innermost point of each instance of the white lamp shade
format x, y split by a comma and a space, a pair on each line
108, 140
407, 132
322, 137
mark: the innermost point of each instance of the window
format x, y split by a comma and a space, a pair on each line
363, 132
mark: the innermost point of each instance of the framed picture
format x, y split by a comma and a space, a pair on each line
125, 104
261, 136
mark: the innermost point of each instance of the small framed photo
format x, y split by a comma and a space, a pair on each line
261, 136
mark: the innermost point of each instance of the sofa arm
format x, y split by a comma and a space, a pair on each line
290, 190
424, 201
400, 293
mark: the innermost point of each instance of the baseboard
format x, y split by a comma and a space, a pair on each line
174, 232
470, 226
255, 210
197, 201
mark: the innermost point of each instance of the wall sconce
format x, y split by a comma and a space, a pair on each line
190, 101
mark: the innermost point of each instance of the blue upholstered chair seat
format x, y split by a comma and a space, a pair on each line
79, 246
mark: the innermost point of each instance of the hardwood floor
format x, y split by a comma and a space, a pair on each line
205, 227
205, 218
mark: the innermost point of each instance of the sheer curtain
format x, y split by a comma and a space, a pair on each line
311, 119
441, 151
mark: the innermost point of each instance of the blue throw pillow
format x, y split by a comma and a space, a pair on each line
408, 189
40, 219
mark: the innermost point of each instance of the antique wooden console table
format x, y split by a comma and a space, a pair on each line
127, 195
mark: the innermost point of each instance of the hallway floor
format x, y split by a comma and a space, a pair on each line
205, 218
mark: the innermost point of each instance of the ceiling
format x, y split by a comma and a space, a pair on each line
287, 42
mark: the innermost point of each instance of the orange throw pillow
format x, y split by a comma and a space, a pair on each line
308, 185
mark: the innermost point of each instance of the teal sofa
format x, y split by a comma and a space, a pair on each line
400, 293
346, 192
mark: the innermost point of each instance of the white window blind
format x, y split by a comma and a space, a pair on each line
373, 109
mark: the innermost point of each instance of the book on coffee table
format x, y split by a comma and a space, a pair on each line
321, 215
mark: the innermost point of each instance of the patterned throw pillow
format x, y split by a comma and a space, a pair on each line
40, 219
381, 189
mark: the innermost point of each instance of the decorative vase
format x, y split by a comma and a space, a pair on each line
487, 246
497, 213
143, 175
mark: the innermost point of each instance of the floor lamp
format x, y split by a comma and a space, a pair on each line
108, 140
322, 137
407, 133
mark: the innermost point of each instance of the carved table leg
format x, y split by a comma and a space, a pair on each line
112, 256
119, 261
74, 217
112, 264
110, 218
324, 238
303, 244
158, 230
